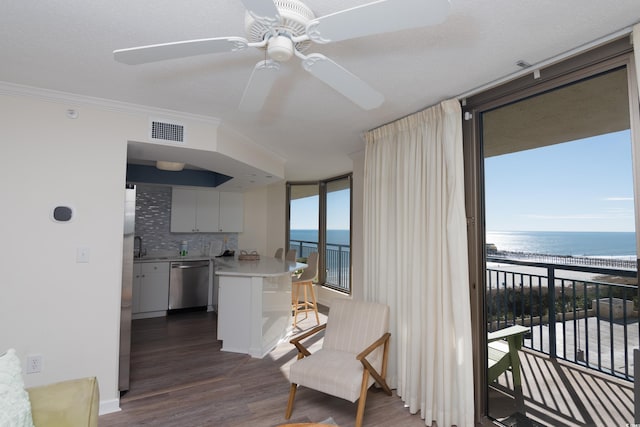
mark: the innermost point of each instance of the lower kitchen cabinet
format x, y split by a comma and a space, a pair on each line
150, 289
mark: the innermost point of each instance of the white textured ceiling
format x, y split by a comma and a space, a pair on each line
66, 45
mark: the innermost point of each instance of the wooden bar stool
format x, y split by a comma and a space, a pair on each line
305, 283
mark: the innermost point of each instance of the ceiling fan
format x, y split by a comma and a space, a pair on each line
286, 28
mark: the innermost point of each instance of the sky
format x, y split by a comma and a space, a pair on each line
304, 212
583, 185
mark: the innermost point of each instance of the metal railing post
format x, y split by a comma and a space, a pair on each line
551, 288
340, 265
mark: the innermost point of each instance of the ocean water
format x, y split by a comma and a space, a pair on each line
576, 243
593, 243
336, 237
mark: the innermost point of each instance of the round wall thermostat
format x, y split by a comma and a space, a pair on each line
62, 214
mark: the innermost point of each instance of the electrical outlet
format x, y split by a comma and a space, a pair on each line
34, 364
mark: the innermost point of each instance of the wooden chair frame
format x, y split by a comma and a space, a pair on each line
380, 378
305, 306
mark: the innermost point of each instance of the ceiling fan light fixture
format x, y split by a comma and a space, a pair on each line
169, 166
294, 17
280, 48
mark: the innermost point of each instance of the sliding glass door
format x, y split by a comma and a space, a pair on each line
553, 248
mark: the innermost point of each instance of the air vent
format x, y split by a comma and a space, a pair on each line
167, 131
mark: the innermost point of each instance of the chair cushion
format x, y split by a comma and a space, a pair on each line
331, 371
15, 407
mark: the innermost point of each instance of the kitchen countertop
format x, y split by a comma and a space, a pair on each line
264, 267
172, 258
231, 266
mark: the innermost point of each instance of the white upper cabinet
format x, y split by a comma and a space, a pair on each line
183, 210
231, 212
206, 211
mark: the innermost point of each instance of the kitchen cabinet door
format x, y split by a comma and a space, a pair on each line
207, 211
231, 212
183, 210
194, 210
154, 287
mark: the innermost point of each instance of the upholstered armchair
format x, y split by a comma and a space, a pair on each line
353, 355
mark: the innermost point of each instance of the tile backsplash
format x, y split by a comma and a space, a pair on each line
153, 224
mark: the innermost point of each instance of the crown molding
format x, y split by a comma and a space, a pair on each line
13, 89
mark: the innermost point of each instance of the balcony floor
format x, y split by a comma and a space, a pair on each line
559, 393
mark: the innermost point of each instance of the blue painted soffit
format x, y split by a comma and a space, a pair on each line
188, 177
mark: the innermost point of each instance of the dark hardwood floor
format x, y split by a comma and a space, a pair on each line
179, 377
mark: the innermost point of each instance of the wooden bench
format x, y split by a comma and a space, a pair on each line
502, 352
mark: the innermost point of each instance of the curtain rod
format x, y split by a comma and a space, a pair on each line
580, 49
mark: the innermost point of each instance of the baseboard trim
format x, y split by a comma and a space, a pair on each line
109, 406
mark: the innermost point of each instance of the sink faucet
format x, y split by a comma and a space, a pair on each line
140, 252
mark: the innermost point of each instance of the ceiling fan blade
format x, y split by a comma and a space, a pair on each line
382, 16
262, 79
263, 11
343, 81
160, 52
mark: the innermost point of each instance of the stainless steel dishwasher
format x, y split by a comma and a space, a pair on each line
188, 284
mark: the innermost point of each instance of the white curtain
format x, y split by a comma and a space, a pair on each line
415, 241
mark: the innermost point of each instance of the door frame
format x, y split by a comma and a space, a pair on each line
615, 54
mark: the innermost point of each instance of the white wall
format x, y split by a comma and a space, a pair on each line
67, 312
276, 216
254, 233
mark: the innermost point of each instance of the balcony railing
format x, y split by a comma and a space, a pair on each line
337, 262
576, 312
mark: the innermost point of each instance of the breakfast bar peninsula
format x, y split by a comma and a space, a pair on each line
254, 303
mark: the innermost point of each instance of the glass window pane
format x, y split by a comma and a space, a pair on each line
303, 219
338, 241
